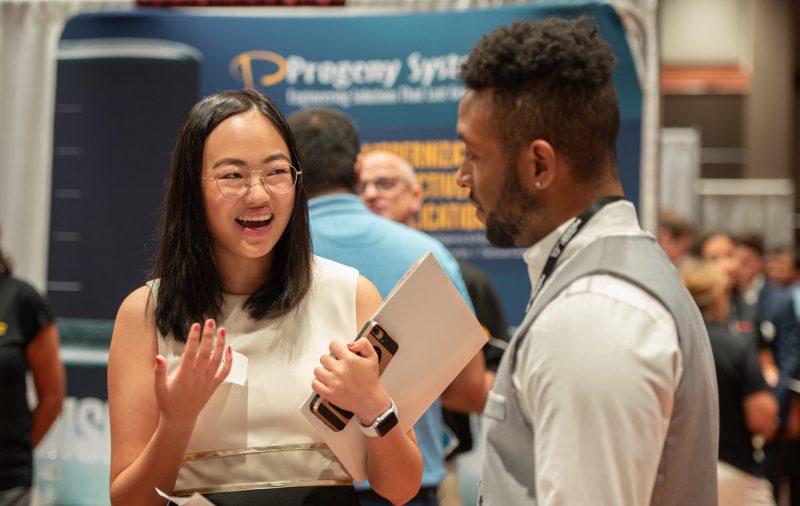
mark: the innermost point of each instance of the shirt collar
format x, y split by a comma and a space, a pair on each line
750, 295
536, 255
338, 201
616, 219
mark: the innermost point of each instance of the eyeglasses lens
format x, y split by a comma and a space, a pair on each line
278, 180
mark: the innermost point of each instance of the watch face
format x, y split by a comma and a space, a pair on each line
385, 425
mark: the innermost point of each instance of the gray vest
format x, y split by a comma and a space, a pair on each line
687, 471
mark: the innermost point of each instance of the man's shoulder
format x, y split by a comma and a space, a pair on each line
406, 235
425, 242
635, 258
773, 292
775, 301
430, 242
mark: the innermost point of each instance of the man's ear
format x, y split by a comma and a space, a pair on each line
416, 193
357, 167
540, 163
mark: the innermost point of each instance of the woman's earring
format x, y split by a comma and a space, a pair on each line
538, 184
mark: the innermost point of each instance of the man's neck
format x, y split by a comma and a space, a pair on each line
330, 191
583, 197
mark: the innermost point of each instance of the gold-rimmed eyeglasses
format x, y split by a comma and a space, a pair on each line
382, 184
278, 179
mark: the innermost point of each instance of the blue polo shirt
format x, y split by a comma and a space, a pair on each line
345, 230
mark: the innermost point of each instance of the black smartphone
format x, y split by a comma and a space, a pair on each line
336, 418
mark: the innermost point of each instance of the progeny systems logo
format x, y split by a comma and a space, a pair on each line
266, 68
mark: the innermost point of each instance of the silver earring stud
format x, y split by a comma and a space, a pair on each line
538, 184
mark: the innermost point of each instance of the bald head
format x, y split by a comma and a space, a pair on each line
388, 185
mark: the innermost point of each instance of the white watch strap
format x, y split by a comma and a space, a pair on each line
372, 430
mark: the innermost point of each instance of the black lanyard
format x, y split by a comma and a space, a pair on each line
565, 238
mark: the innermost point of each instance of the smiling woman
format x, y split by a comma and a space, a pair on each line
235, 287
249, 222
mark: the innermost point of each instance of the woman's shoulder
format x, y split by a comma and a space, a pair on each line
329, 270
138, 303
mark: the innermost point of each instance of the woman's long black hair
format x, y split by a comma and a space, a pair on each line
190, 289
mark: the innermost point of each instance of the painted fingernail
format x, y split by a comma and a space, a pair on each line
228, 350
210, 324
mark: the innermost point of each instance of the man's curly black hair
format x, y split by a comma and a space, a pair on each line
551, 80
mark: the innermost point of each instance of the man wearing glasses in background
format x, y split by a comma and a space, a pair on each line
389, 187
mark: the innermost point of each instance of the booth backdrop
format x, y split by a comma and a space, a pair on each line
126, 79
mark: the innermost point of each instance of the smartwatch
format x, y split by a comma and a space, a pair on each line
382, 424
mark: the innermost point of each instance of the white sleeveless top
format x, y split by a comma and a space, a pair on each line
253, 436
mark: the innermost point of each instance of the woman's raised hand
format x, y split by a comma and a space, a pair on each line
202, 369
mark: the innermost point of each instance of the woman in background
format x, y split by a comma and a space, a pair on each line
747, 408
28, 342
235, 253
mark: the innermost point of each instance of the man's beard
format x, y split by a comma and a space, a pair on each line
504, 225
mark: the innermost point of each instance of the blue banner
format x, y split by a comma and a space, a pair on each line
396, 75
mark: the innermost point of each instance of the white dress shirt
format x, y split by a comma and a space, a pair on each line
596, 376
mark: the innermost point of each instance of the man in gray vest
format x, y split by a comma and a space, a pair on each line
606, 395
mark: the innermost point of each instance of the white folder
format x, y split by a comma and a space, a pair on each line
437, 335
